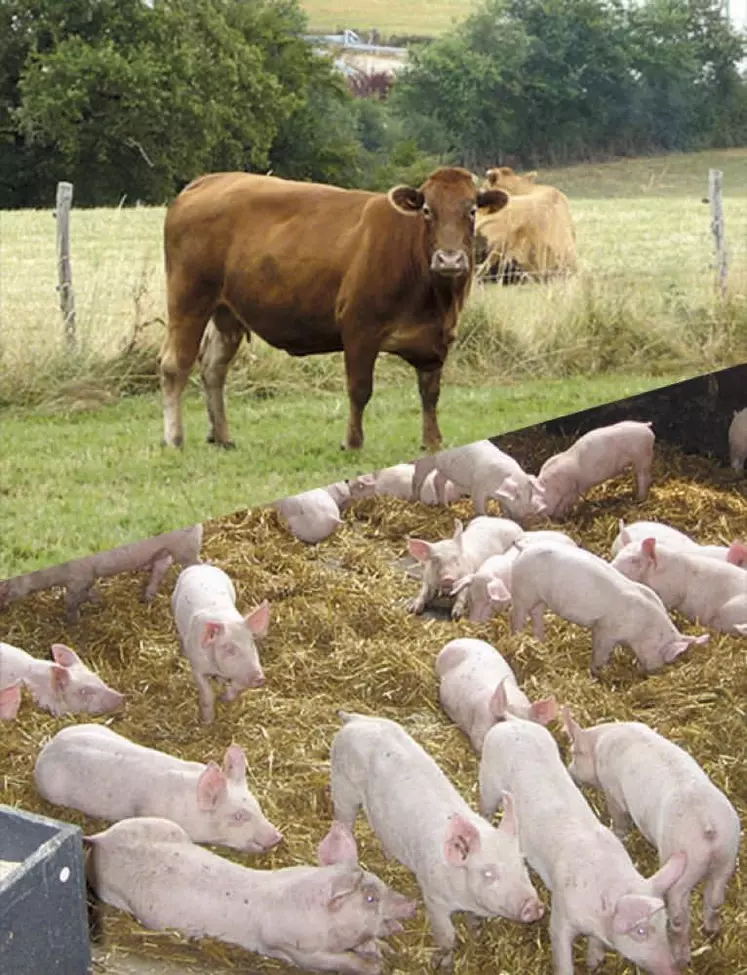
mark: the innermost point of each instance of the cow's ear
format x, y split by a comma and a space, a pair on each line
493, 175
531, 176
492, 200
406, 199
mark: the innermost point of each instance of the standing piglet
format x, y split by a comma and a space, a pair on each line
674, 804
596, 890
93, 769
216, 639
595, 457
483, 471
461, 862
478, 689
451, 559
311, 516
487, 590
321, 919
586, 590
738, 439
63, 685
10, 701
712, 592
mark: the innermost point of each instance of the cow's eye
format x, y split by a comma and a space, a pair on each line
473, 212
426, 211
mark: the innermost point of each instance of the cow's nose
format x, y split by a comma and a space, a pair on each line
450, 262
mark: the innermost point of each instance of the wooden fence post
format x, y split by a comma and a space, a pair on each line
715, 177
64, 271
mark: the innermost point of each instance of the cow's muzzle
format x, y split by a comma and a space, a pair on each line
450, 263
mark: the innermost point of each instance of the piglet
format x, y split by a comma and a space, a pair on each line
478, 688
672, 801
311, 516
93, 769
738, 439
393, 482
586, 590
63, 685
10, 701
487, 590
483, 471
451, 559
461, 862
596, 890
703, 589
736, 553
320, 919
216, 639
595, 457
449, 492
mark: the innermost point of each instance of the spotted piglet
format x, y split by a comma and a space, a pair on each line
216, 639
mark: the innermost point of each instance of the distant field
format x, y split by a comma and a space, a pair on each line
424, 17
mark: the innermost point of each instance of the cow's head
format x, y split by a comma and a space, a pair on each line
447, 202
505, 178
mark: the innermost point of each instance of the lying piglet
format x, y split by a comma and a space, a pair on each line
216, 639
672, 801
713, 593
10, 701
594, 458
93, 769
63, 685
586, 590
736, 553
478, 688
78, 577
393, 482
738, 439
483, 471
326, 918
596, 890
311, 516
453, 558
461, 862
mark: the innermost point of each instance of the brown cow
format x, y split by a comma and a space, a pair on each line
314, 269
534, 236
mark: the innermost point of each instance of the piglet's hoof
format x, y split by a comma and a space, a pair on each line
443, 959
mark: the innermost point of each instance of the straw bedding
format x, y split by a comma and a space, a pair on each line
340, 637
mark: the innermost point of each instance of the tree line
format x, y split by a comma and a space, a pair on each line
132, 100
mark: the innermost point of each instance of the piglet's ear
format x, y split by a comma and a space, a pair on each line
60, 677
668, 875
234, 763
210, 631
258, 621
419, 549
64, 656
462, 839
571, 728
648, 547
211, 786
544, 711
498, 591
10, 701
344, 887
737, 554
499, 701
338, 846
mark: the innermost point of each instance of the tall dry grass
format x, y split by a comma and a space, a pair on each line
644, 299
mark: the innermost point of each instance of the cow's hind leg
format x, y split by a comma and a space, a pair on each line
219, 346
429, 386
189, 312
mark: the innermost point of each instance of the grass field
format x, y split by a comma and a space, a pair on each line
421, 17
87, 471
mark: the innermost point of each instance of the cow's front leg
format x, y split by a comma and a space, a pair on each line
219, 346
359, 367
429, 385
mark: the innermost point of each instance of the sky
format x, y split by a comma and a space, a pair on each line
739, 12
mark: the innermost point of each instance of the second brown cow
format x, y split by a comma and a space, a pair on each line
314, 269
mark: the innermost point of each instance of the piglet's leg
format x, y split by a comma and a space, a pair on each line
346, 962
207, 698
444, 935
619, 817
159, 568
460, 604
538, 621
594, 954
345, 799
561, 936
602, 646
714, 895
418, 604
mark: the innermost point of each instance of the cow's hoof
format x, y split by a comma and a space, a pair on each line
350, 446
225, 444
176, 442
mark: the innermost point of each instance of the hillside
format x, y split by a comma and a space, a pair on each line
390, 17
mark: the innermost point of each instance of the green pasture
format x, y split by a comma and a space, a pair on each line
392, 17
82, 465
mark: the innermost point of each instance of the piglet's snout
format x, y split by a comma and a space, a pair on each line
532, 910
